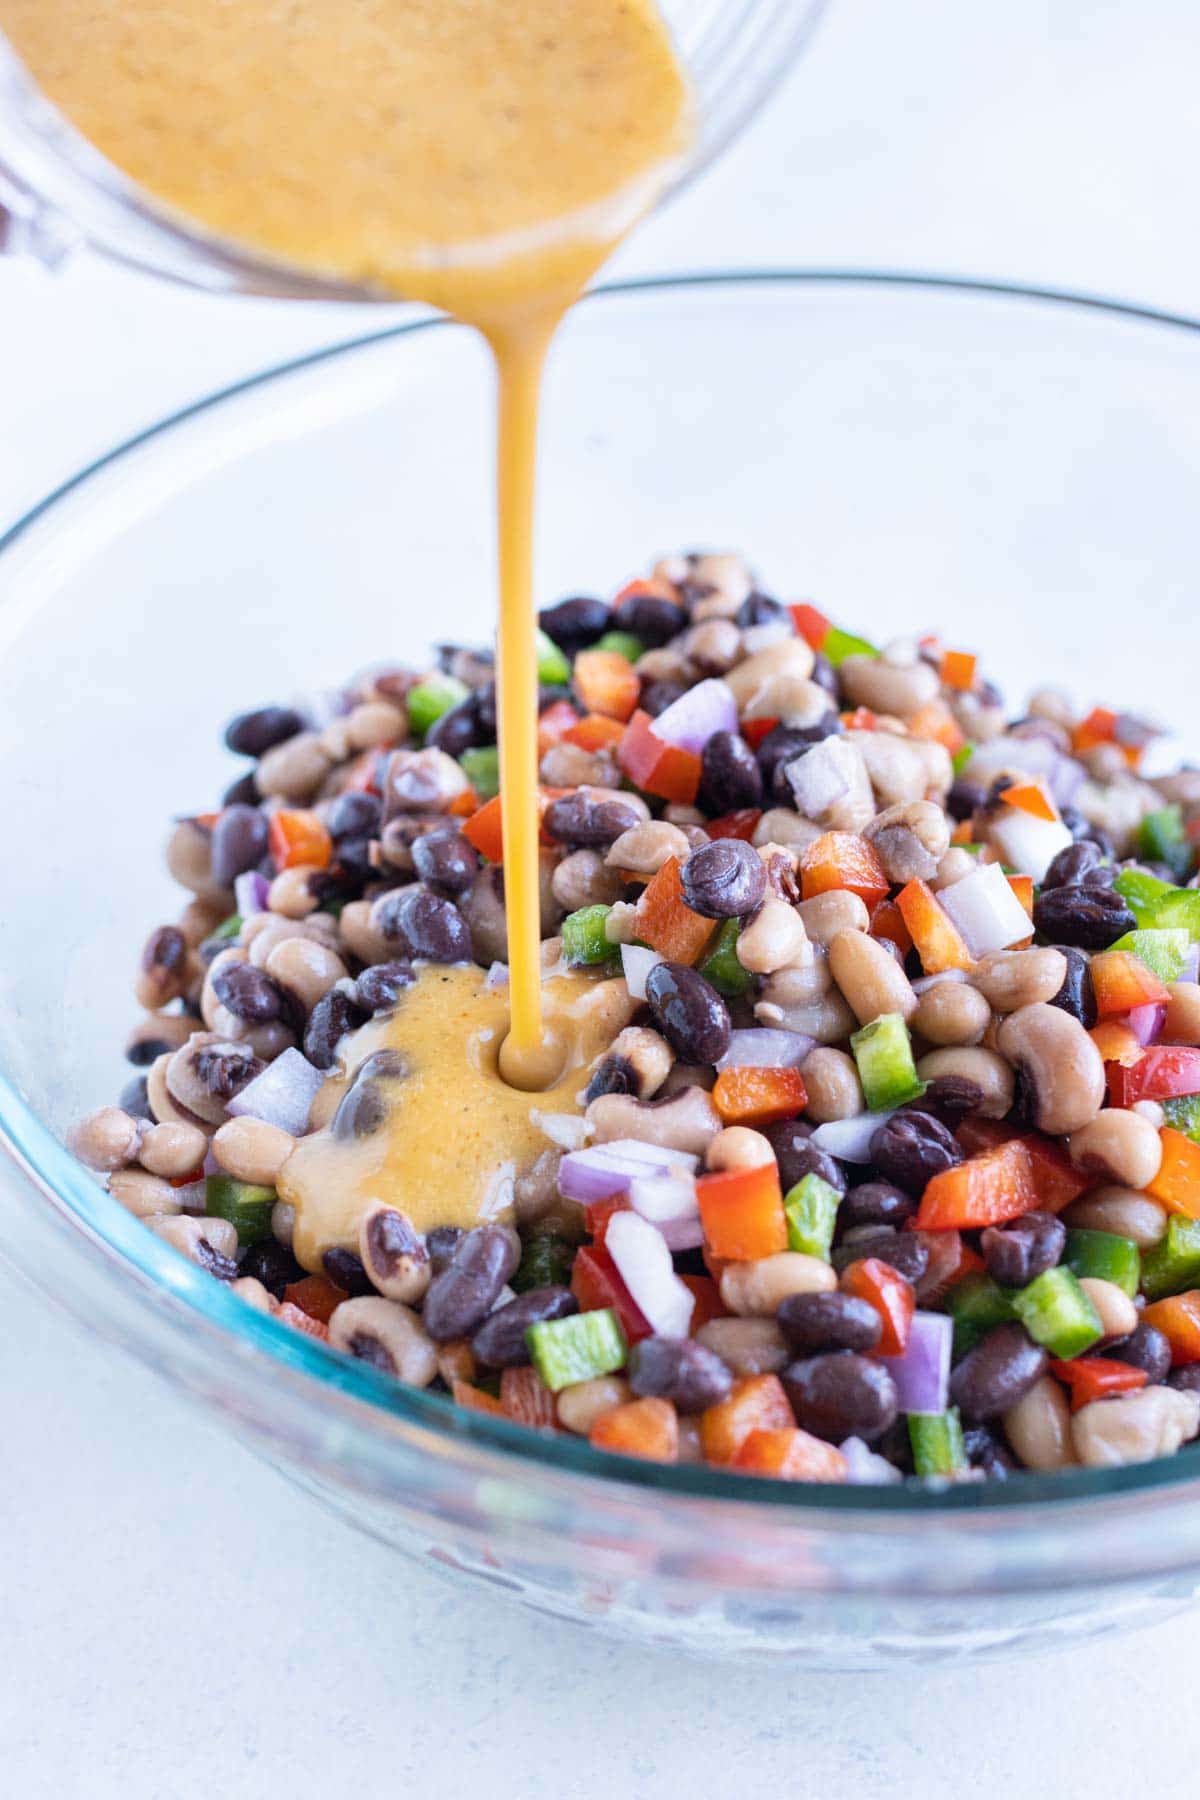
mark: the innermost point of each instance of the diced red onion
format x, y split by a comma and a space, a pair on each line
865, 1467
1028, 843
690, 721
194, 1197
496, 977
850, 1139
636, 964
250, 893
1146, 1022
607, 1169
682, 1234
922, 1371
282, 1095
1191, 964
643, 1262
986, 911
663, 1198
765, 1048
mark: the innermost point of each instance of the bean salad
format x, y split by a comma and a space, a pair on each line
891, 1168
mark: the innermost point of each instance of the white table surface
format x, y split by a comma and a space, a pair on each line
177, 1621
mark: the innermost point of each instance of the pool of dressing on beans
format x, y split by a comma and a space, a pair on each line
484, 156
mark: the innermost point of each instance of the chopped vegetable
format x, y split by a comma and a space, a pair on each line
666, 923
757, 1403
636, 964
721, 965
850, 1139
1178, 1318
1177, 1184
1097, 1378
883, 1053
742, 1213
1103, 1256
842, 859
1057, 1313
984, 1190
889, 1293
643, 1262
620, 643
741, 824
584, 943
282, 1095
758, 1096
482, 769
789, 1454
935, 721
937, 940
605, 683
554, 724
937, 1443
837, 645
577, 1348
958, 670
706, 1300
1163, 949
658, 768
810, 1210
810, 624
1183, 1115
431, 698
597, 1285
645, 1428
553, 668
247, 1207
316, 1296
526, 1400
485, 830
227, 929
977, 1303
1031, 797
1116, 1042
697, 715
921, 1372
887, 921
298, 839
1162, 838
1174, 1262
1122, 982
1157, 904
477, 1399
766, 1047
594, 732
1162, 1073
986, 911
545, 1262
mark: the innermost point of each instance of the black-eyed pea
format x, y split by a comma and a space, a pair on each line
283, 1223
168, 968
252, 1291
200, 918
910, 840
712, 647
1150, 1110
146, 1196
791, 656
393, 1254
1133, 1428
828, 1020
157, 1033
687, 1121
755, 1289
897, 766
267, 1041
375, 722
306, 969
293, 770
267, 931
1039, 1427
750, 1346
172, 1150
645, 847
1182, 1024
1121, 1211
1114, 1309
773, 939
832, 1083
888, 687
1120, 1147
189, 859
291, 894
387, 1335
738, 1147
780, 825
1010, 979
1061, 1068
950, 1012
956, 863
570, 766
581, 879
212, 1244
638, 1063
579, 1406
361, 936
251, 1150
106, 1139
871, 980
826, 915
1052, 704
989, 1072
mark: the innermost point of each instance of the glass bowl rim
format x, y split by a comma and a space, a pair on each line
118, 1246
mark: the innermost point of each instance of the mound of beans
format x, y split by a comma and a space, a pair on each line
894, 1172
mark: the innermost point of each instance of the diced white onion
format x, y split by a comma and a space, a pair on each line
850, 1139
987, 912
636, 964
644, 1264
1028, 843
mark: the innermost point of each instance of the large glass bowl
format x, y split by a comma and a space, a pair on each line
1017, 469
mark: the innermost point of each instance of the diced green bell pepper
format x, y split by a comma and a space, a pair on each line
623, 642
1183, 1114
1174, 1263
721, 965
1057, 1313
248, 1208
430, 699
811, 1212
553, 667
1162, 949
584, 942
1162, 838
578, 1348
937, 1443
228, 928
839, 644
482, 769
976, 1304
961, 758
883, 1052
1157, 905
545, 1262
1103, 1256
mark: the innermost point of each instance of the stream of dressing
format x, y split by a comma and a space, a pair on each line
484, 156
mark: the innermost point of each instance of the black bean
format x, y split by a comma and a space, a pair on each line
242, 792
911, 1148
363, 1107
379, 987
798, 1157
352, 868
1072, 865
574, 624
1144, 1348
135, 1100
354, 814
145, 1047
583, 822
786, 742
651, 619
986, 1453
331, 1018
841, 1395
1088, 917
463, 1294
457, 730
689, 1012
679, 1370
1185, 1380
248, 993
254, 733
657, 695
725, 879
964, 798
238, 843
500, 1340
876, 1203
825, 676
903, 1251
997, 1373
441, 1244
730, 778
346, 1271
1077, 995
1019, 1252
427, 925
760, 609
816, 1322
446, 860
950, 1099
273, 1264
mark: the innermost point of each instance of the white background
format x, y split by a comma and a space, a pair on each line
175, 1620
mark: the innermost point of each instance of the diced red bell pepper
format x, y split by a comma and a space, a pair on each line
598, 1215
951, 1260
606, 682
936, 937
735, 824
1177, 1184
1022, 887
887, 921
707, 1301
527, 1400
298, 839
665, 921
475, 1400
756, 1403
984, 1190
789, 1455
1161, 1073
861, 718
595, 732
1030, 797
753, 1096
1178, 1318
1097, 1378
810, 624
485, 830
596, 1283
976, 1134
554, 724
647, 1428
755, 730
299, 1320
656, 767
1102, 726
1056, 1180
842, 859
958, 670
1116, 1043
456, 1361
889, 1293
937, 723
741, 1211
316, 1296
1122, 982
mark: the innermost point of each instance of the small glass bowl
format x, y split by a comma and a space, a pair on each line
1014, 469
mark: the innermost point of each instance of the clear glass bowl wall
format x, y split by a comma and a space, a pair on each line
1017, 471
